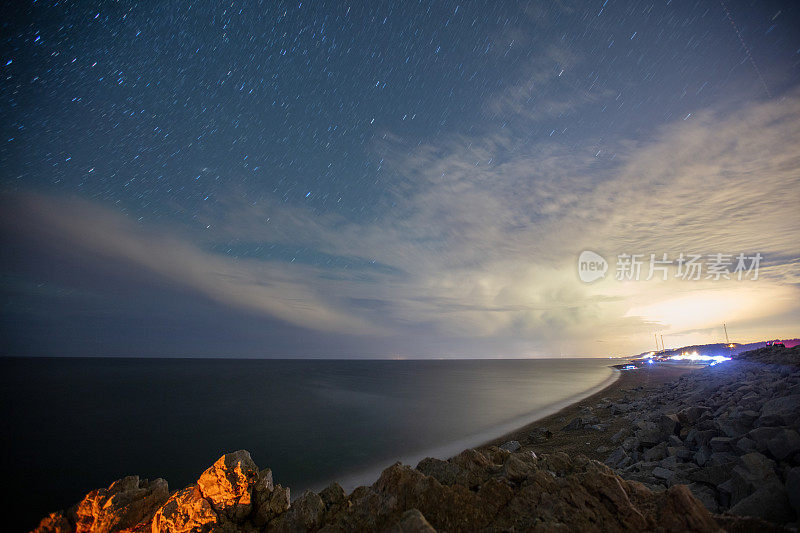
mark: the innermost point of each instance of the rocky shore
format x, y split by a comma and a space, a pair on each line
714, 449
730, 433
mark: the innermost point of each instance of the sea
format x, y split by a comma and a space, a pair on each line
70, 425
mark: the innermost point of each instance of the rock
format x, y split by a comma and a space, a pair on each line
745, 445
702, 456
574, 424
668, 424
412, 521
185, 511
762, 435
124, 504
619, 435
670, 463
445, 472
690, 415
511, 446
540, 434
785, 444
590, 420
304, 514
756, 469
333, 494
630, 444
793, 488
619, 408
656, 453
602, 449
512, 492
706, 495
786, 407
703, 437
518, 466
618, 458
228, 483
769, 502
712, 475
55, 523
721, 444
663, 473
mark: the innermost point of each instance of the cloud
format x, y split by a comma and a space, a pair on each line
480, 237
276, 289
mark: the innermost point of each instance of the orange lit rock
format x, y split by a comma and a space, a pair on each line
184, 512
123, 505
228, 484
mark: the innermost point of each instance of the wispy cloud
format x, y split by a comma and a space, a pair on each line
481, 236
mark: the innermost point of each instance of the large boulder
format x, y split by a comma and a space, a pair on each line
228, 484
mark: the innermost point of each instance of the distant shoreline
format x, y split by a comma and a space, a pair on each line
368, 475
554, 422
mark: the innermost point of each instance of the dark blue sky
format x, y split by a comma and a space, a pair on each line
382, 178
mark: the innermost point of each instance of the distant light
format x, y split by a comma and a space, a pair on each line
694, 356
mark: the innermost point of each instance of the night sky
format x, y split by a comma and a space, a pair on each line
383, 179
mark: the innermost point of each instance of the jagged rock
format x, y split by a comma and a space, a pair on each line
702, 456
720, 444
55, 523
124, 504
617, 458
228, 483
668, 424
510, 446
513, 491
745, 445
185, 511
271, 504
762, 435
787, 408
663, 473
656, 453
769, 502
444, 471
690, 415
785, 444
333, 494
412, 521
303, 515
706, 495
619, 435
713, 475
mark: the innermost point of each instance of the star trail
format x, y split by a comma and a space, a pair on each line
378, 178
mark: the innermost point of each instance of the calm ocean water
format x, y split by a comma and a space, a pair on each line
71, 425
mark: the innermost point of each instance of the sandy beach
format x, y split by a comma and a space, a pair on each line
587, 441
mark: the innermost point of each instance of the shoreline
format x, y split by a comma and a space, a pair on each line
645, 377
662, 447
477, 440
